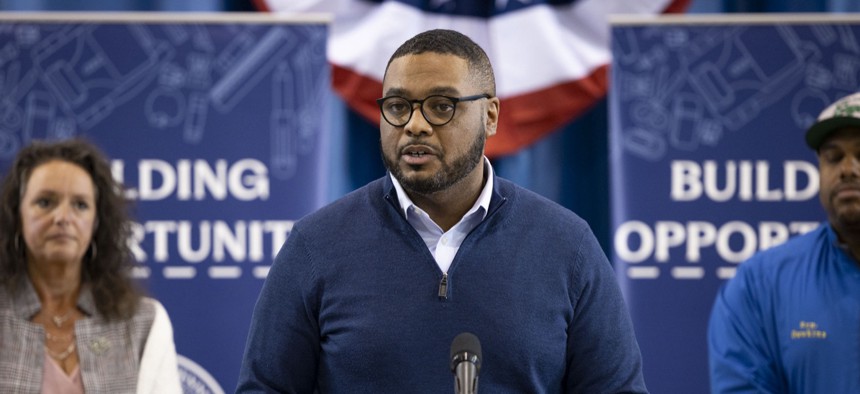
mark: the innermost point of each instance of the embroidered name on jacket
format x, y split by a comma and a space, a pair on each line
808, 330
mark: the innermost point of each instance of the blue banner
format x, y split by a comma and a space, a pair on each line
709, 163
215, 126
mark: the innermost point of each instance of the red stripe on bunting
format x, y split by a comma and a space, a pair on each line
526, 118
359, 91
677, 7
261, 5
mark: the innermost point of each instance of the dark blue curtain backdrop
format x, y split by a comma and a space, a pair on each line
570, 166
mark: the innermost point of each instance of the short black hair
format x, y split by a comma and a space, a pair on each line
450, 42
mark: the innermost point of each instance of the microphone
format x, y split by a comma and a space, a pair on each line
466, 363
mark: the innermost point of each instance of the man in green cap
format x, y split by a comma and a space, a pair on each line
789, 321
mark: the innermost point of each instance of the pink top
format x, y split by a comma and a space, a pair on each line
55, 379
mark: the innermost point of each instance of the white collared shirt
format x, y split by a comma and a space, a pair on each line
444, 245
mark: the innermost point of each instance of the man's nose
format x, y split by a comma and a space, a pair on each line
417, 124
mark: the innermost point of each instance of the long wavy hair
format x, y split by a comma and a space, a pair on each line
108, 261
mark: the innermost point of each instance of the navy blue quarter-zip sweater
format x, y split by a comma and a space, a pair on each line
355, 303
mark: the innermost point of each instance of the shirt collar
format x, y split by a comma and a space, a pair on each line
482, 202
27, 301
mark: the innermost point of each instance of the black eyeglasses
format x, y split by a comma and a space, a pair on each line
438, 110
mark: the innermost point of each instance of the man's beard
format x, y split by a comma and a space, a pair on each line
846, 219
447, 176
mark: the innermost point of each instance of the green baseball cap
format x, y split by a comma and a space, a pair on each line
845, 112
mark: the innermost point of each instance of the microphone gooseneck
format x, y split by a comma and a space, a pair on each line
466, 363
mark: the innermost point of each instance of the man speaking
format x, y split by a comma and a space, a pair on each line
368, 293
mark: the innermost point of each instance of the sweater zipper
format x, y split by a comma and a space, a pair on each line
443, 287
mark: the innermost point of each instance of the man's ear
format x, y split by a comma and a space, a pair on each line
492, 120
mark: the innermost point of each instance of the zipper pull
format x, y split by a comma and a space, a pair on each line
443, 287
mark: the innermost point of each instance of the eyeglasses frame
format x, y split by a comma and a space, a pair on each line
420, 103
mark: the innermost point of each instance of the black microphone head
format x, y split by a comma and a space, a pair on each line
465, 347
